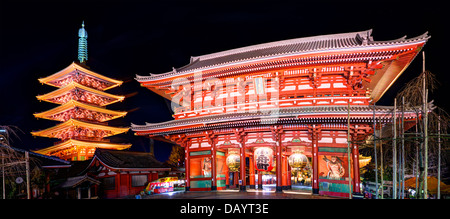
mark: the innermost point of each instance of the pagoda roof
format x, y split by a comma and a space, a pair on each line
49, 132
74, 85
305, 45
90, 144
72, 104
294, 115
77, 68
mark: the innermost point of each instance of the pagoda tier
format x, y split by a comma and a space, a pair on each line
77, 73
73, 128
77, 110
78, 92
244, 113
73, 149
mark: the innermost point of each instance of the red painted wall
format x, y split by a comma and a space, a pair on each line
123, 186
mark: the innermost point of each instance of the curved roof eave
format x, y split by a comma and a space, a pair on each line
314, 44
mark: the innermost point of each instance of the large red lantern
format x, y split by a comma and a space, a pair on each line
263, 159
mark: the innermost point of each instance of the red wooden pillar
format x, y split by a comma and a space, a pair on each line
279, 187
227, 173
187, 166
240, 137
242, 187
213, 164
276, 136
315, 160
127, 184
283, 171
355, 158
288, 174
123, 184
252, 172
119, 183
260, 180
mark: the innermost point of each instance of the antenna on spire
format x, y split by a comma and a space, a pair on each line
82, 44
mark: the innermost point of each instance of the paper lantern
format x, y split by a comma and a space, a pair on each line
263, 159
233, 161
298, 160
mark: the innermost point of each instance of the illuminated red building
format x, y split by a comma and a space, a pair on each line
82, 98
258, 110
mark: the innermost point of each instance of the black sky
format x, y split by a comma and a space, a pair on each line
141, 37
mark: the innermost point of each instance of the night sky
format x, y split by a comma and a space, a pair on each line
141, 37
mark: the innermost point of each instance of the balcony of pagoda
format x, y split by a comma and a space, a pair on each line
92, 121
86, 116
81, 93
84, 138
86, 98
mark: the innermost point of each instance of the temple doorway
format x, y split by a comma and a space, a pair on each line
300, 168
301, 178
268, 181
233, 180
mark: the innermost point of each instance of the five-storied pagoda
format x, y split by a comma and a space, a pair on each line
82, 110
279, 112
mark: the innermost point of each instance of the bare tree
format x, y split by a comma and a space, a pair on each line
437, 124
13, 163
412, 138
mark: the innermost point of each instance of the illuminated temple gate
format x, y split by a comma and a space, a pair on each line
248, 112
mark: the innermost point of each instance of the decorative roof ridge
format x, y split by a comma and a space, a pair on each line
316, 38
323, 42
403, 39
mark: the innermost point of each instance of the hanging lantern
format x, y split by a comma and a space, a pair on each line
233, 161
264, 159
298, 160
363, 160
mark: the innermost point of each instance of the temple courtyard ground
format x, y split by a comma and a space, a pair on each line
235, 194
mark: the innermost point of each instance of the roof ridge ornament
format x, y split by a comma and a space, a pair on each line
365, 37
82, 44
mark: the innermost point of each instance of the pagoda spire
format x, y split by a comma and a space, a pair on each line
82, 44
